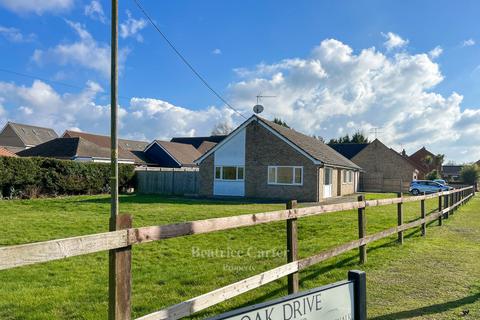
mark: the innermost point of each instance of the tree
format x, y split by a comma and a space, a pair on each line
318, 138
280, 122
470, 173
432, 175
358, 137
221, 129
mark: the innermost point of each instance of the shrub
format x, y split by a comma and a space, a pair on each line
470, 173
31, 177
432, 175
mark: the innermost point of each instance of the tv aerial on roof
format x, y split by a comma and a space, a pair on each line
258, 108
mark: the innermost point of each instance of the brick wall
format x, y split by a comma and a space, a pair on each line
264, 149
206, 176
382, 165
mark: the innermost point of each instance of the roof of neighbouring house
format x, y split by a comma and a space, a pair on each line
32, 135
348, 150
451, 169
311, 147
104, 141
196, 142
6, 153
130, 149
70, 148
184, 154
206, 146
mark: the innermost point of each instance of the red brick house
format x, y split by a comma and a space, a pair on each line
261, 159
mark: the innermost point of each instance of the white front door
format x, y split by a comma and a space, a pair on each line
327, 183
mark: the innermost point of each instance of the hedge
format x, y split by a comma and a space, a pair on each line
33, 177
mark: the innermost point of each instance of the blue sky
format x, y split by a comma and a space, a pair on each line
307, 53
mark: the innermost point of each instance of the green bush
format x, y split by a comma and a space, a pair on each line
31, 177
432, 175
470, 173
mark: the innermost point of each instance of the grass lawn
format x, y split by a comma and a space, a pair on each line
427, 278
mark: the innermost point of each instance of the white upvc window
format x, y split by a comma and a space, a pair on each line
347, 176
229, 173
285, 175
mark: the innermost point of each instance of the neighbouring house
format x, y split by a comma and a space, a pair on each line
172, 154
131, 149
451, 173
77, 149
383, 169
6, 153
202, 144
16, 136
420, 158
261, 159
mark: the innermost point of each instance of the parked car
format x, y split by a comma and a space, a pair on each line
426, 186
441, 181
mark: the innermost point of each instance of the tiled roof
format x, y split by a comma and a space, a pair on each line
33, 135
312, 146
69, 148
185, 154
6, 153
206, 146
127, 149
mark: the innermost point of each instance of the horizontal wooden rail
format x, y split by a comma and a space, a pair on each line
25, 254
209, 299
204, 301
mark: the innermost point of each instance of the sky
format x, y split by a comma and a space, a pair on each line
410, 68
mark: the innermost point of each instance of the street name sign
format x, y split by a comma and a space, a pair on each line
344, 300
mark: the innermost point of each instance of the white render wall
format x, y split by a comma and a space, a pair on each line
231, 153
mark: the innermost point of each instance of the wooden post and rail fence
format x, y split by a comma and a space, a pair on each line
120, 241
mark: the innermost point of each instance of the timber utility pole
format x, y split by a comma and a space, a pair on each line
112, 258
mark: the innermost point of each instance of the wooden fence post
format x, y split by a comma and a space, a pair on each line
440, 217
120, 302
292, 248
446, 205
400, 218
423, 216
362, 231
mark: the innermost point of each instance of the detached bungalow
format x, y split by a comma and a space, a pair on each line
261, 159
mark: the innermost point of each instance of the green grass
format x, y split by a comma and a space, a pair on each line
427, 278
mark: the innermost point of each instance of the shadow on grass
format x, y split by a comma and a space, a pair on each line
309, 275
165, 199
428, 310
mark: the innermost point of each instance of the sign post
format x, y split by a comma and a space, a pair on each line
343, 300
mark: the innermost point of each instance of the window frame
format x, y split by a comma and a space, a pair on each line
347, 176
228, 180
282, 183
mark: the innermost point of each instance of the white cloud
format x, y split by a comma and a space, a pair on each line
435, 52
333, 91
216, 51
86, 52
393, 41
94, 10
468, 43
37, 6
131, 27
143, 118
15, 35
